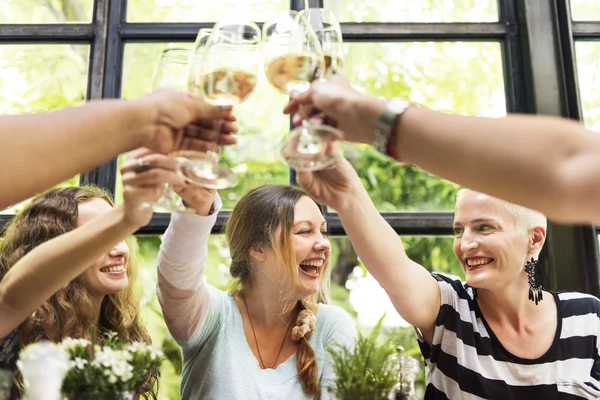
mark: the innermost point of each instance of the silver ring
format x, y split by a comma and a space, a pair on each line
141, 167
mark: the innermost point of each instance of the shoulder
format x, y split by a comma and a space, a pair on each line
328, 313
334, 323
452, 280
452, 285
575, 303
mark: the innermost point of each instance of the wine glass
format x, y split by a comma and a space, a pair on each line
171, 72
294, 58
195, 60
328, 30
329, 33
225, 75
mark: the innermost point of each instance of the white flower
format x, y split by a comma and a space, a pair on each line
110, 335
127, 375
112, 379
79, 363
70, 343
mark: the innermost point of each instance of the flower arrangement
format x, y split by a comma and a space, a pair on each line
110, 370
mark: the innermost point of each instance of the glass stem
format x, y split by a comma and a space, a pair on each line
308, 141
212, 154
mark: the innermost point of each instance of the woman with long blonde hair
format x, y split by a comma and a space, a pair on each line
267, 337
68, 264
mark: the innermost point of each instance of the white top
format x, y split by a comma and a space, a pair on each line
218, 362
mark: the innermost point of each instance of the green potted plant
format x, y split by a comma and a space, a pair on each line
113, 370
368, 371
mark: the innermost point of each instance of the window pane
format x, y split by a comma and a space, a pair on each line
465, 78
45, 12
28, 85
354, 289
202, 11
261, 123
588, 54
414, 10
585, 10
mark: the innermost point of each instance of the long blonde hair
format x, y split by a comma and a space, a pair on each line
69, 312
254, 222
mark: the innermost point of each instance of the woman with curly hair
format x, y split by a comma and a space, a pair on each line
268, 337
68, 264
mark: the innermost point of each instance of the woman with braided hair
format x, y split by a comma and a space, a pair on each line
267, 337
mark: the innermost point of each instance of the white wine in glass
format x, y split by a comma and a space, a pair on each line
224, 69
224, 87
293, 59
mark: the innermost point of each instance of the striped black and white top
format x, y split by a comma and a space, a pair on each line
467, 361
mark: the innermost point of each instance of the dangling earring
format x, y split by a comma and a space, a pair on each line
535, 288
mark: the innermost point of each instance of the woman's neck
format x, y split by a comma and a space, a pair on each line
268, 308
509, 305
96, 310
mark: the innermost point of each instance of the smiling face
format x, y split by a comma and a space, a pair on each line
311, 245
299, 264
490, 244
108, 274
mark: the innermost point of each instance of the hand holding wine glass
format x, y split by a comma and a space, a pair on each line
294, 58
171, 72
224, 71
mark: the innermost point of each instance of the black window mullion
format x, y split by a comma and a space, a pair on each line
514, 85
417, 31
160, 221
570, 251
105, 175
96, 75
98, 50
563, 9
405, 223
296, 5
46, 33
586, 30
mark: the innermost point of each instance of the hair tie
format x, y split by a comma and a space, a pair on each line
305, 325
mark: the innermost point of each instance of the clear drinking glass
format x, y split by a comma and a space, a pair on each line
224, 71
171, 72
329, 33
293, 59
408, 367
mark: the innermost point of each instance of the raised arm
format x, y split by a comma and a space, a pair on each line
411, 288
41, 150
53, 264
182, 292
545, 163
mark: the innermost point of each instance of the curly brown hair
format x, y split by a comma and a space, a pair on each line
254, 221
69, 312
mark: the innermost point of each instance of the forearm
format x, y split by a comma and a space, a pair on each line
52, 265
182, 258
544, 163
412, 289
41, 150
